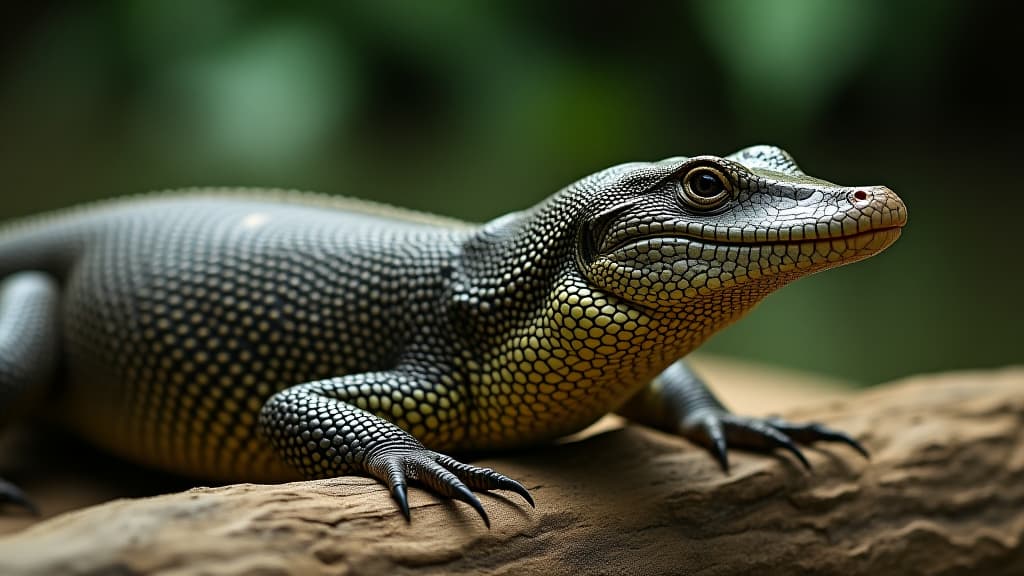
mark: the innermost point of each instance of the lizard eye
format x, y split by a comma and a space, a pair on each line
705, 188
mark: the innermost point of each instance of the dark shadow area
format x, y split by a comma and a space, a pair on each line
61, 472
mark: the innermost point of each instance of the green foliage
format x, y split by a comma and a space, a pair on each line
788, 58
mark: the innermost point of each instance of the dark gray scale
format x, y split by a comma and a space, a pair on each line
247, 335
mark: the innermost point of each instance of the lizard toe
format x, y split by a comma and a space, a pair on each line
717, 429
392, 472
754, 433
484, 479
707, 429
444, 482
812, 432
11, 494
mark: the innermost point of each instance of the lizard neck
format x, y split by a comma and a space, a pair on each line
545, 351
508, 267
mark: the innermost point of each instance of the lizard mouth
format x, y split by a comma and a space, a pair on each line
856, 240
875, 212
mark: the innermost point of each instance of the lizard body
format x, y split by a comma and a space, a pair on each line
247, 335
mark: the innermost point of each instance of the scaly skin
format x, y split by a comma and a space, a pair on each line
247, 335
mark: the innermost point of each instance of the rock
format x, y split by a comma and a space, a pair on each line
942, 494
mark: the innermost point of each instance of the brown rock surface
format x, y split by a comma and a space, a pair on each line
943, 494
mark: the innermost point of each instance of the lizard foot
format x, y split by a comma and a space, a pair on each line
397, 465
716, 428
11, 494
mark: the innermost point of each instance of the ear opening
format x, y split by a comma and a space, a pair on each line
596, 227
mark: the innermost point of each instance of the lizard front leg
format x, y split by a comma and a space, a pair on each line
318, 428
29, 346
678, 401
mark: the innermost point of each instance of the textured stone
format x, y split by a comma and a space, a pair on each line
942, 494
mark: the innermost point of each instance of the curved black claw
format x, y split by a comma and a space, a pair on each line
11, 494
398, 492
512, 486
716, 428
812, 432
716, 442
461, 492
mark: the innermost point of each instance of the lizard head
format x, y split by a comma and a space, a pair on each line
673, 232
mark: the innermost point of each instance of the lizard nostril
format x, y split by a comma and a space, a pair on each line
860, 195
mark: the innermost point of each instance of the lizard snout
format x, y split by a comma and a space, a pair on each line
880, 204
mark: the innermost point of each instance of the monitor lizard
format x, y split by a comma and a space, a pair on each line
253, 335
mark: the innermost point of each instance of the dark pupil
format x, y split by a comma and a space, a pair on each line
707, 185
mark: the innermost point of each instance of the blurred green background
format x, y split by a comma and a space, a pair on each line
472, 109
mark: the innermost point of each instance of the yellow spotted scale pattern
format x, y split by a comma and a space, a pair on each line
250, 335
